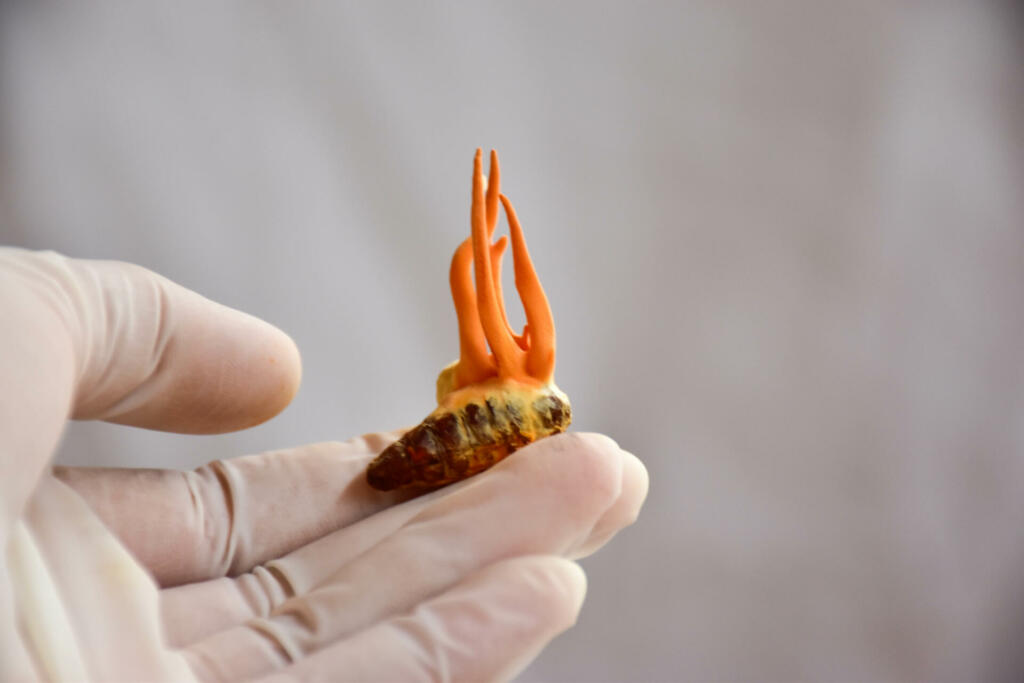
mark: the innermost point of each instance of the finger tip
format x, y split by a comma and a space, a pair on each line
574, 584
636, 482
624, 510
582, 471
592, 476
245, 372
596, 460
274, 372
557, 586
550, 586
284, 368
632, 478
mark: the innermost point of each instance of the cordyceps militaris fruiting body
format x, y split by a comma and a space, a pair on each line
490, 402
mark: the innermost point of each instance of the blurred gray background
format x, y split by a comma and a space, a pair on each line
784, 244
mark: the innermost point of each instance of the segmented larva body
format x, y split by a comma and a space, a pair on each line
475, 429
490, 403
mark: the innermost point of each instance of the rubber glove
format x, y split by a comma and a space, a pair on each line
280, 566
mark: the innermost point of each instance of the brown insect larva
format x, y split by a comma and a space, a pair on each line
468, 435
489, 403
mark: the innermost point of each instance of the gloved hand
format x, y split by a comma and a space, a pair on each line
280, 566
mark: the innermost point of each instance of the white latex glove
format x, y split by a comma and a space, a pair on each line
280, 566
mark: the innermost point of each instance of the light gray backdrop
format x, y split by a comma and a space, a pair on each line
783, 243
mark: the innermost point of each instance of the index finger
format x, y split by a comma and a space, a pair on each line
114, 341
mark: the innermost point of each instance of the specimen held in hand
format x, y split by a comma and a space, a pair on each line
490, 401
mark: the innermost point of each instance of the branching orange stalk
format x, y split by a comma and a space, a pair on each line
528, 357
